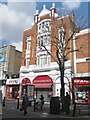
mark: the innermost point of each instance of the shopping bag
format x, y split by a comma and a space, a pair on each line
21, 109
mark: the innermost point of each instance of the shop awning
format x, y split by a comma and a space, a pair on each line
26, 81
43, 82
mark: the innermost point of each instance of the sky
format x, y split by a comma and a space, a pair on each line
18, 15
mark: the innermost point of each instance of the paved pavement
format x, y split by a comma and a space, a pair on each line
10, 111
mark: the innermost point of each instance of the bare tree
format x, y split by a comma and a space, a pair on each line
63, 44
62, 49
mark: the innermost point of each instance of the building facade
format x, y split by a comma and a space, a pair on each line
10, 62
39, 66
81, 78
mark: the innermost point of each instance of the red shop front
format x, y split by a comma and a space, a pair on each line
81, 90
43, 85
12, 87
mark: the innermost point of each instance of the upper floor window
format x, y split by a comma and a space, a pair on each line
43, 24
61, 42
27, 61
28, 42
61, 32
43, 59
43, 40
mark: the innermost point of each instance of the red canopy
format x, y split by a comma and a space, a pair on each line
43, 82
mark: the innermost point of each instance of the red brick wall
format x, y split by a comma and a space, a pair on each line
25, 34
82, 43
83, 67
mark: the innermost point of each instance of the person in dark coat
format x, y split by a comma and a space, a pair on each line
67, 101
42, 100
25, 103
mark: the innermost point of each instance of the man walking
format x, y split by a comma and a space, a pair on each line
25, 103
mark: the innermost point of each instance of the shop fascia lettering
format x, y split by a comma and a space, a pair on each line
42, 81
78, 80
12, 81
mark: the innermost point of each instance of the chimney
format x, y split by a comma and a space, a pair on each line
72, 16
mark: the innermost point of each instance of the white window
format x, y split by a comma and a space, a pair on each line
28, 46
32, 52
61, 35
40, 41
47, 23
61, 43
48, 59
43, 60
43, 24
39, 26
37, 60
27, 62
28, 42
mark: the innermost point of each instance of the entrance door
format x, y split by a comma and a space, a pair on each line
44, 93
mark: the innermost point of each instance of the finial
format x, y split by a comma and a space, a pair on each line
44, 6
36, 11
53, 5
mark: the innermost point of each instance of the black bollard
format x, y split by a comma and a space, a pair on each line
34, 104
17, 102
4, 102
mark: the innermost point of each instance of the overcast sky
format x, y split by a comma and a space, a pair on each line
18, 15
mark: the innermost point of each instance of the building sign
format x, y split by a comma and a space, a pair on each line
12, 81
42, 81
81, 82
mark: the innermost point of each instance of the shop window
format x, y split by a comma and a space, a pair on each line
15, 76
82, 94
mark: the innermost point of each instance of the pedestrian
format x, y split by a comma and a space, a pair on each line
67, 101
25, 102
42, 100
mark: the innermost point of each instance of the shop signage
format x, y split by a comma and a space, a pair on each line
81, 82
43, 81
12, 81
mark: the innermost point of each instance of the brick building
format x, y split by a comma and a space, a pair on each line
38, 67
81, 63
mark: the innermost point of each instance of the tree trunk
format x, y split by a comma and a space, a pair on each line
62, 85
